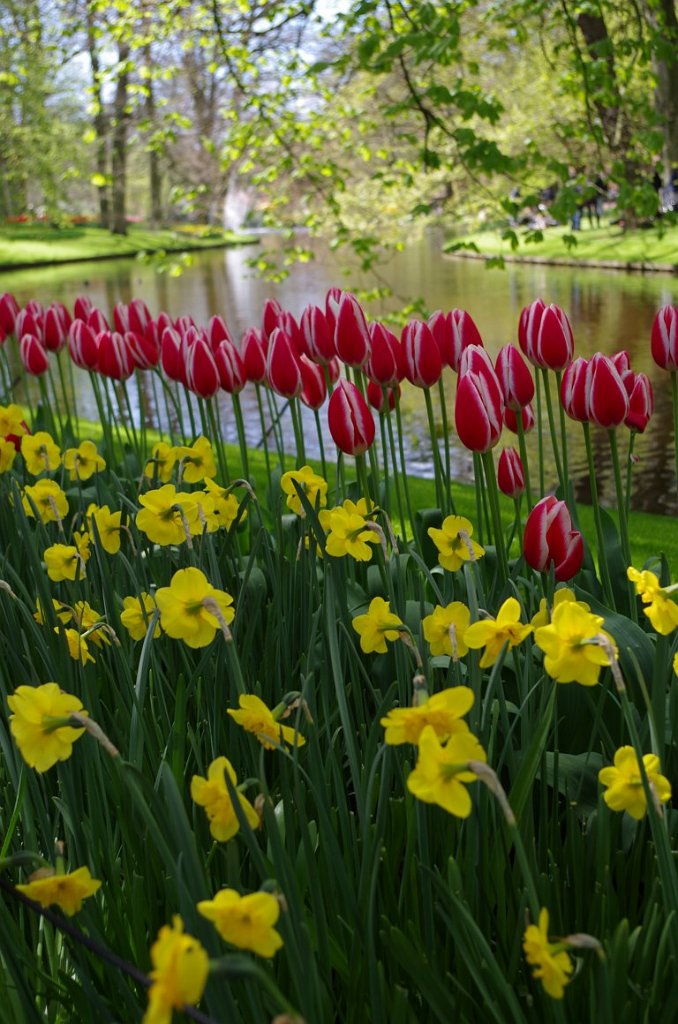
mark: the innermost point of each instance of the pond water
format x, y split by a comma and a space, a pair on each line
608, 311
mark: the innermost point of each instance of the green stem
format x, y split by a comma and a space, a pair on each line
552, 430
399, 430
446, 438
629, 471
623, 523
321, 445
437, 462
394, 462
540, 436
523, 457
563, 439
242, 440
219, 443
674, 397
493, 492
602, 557
298, 432
264, 431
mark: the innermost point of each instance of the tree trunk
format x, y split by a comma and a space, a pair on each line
661, 15
154, 172
100, 122
119, 145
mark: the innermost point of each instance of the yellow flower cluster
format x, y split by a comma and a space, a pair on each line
312, 486
170, 517
193, 462
454, 543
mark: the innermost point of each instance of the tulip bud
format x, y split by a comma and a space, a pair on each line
171, 355
475, 359
232, 374
9, 310
82, 308
332, 306
143, 348
515, 378
29, 322
253, 356
202, 375
162, 321
97, 321
282, 366
314, 391
479, 406
121, 317
55, 326
350, 420
421, 356
550, 540
608, 403
526, 415
555, 342
641, 404
139, 316
510, 474
375, 396
183, 324
289, 325
115, 359
33, 355
82, 345
573, 393
454, 332
318, 335
351, 336
664, 339
386, 358
528, 328
334, 370
270, 318
216, 332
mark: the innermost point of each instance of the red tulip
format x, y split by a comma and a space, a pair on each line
9, 309
351, 336
232, 373
82, 308
183, 324
162, 321
33, 355
528, 328
253, 356
289, 325
314, 391
270, 318
171, 355
202, 375
607, 401
318, 335
510, 474
515, 378
115, 359
82, 345
217, 331
55, 326
97, 321
641, 404
334, 370
144, 349
550, 540
555, 342
386, 357
573, 391
526, 415
479, 406
421, 356
282, 366
454, 332
375, 396
664, 340
29, 322
121, 317
331, 306
350, 420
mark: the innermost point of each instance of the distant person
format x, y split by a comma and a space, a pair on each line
594, 205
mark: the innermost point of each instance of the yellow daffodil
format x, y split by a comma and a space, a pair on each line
137, 615
454, 543
443, 712
445, 625
107, 527
349, 534
41, 454
192, 610
571, 653
179, 974
661, 610
561, 596
63, 612
84, 461
49, 501
442, 773
312, 485
12, 421
492, 634
196, 461
65, 890
64, 562
378, 625
86, 619
550, 960
7, 455
226, 506
675, 664
167, 515
161, 463
212, 794
77, 645
624, 784
254, 716
39, 724
245, 921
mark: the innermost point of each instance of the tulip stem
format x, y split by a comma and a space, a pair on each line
602, 558
446, 438
298, 432
219, 441
401, 447
523, 457
394, 460
493, 492
387, 475
321, 444
242, 440
554, 436
264, 432
563, 438
623, 524
674, 396
629, 471
437, 462
540, 436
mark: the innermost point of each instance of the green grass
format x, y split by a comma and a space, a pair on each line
39, 244
607, 244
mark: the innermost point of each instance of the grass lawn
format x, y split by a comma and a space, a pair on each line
36, 244
607, 244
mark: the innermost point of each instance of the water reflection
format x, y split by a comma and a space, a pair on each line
608, 311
